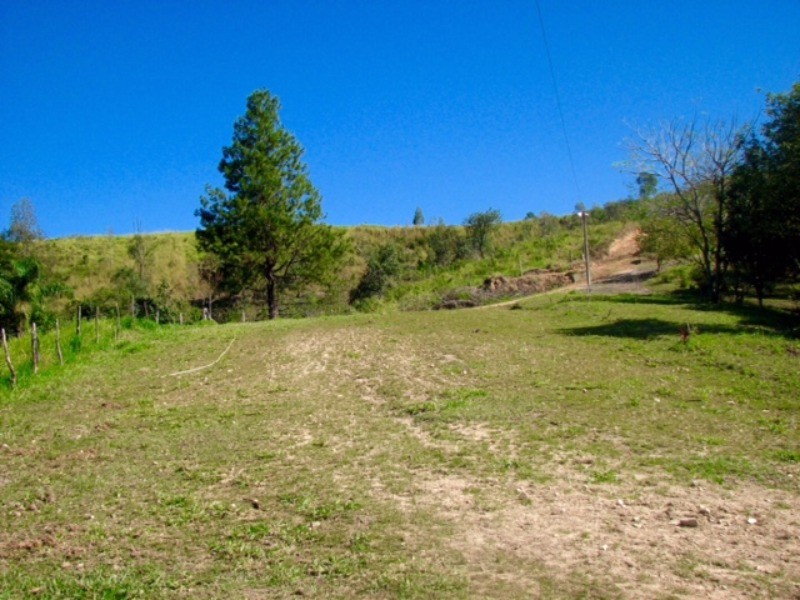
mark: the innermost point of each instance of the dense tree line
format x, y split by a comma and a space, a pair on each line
729, 198
761, 235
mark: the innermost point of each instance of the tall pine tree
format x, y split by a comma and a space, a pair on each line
266, 230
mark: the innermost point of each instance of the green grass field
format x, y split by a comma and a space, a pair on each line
566, 447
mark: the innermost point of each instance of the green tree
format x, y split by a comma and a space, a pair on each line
18, 279
267, 230
419, 218
479, 227
647, 184
761, 237
446, 245
129, 288
383, 266
661, 236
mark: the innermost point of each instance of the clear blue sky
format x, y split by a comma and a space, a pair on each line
115, 112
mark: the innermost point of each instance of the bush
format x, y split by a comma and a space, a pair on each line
382, 268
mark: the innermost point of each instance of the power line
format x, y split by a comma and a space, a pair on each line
558, 101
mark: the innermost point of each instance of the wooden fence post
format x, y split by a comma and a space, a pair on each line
58, 344
78, 322
8, 359
35, 348
96, 324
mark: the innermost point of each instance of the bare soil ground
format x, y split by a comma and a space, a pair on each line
622, 270
643, 537
646, 537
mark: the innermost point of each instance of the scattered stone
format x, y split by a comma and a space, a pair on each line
620, 503
752, 521
690, 522
315, 524
704, 511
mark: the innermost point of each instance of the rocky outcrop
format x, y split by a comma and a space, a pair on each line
532, 282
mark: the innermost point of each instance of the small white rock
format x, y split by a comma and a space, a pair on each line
752, 521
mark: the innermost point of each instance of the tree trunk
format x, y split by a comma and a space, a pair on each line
272, 295
759, 287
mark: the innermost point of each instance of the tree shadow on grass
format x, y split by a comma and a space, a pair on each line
639, 329
643, 329
750, 318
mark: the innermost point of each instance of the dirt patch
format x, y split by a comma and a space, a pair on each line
532, 282
704, 542
625, 245
620, 271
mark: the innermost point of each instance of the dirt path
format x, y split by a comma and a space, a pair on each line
621, 271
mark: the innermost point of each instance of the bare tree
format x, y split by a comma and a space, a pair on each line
693, 162
23, 228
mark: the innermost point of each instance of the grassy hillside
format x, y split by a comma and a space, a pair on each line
573, 448
88, 264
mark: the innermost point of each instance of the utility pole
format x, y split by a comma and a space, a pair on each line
586, 252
